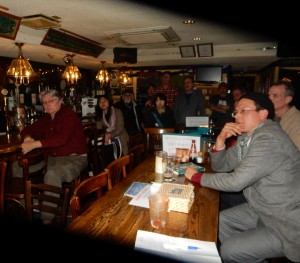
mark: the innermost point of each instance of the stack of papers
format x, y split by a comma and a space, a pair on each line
135, 188
182, 249
142, 197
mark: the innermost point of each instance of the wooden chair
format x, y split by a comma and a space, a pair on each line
3, 168
137, 155
154, 138
135, 140
88, 191
51, 199
118, 169
15, 186
95, 162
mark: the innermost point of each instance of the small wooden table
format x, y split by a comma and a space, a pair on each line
112, 218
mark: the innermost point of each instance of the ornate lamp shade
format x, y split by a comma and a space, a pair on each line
71, 73
103, 76
123, 78
20, 68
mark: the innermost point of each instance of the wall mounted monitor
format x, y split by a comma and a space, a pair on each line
209, 74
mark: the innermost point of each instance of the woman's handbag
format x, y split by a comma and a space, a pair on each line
111, 151
117, 147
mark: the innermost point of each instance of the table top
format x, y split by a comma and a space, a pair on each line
10, 143
112, 218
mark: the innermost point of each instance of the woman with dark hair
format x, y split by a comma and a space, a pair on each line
111, 120
160, 116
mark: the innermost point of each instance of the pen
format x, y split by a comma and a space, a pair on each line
193, 248
175, 247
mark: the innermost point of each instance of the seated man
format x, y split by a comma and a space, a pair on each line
131, 112
60, 131
265, 164
281, 94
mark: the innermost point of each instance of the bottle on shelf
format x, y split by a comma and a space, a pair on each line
211, 127
193, 152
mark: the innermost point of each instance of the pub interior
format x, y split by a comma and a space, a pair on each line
80, 88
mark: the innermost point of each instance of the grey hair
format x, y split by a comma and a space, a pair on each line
288, 87
51, 92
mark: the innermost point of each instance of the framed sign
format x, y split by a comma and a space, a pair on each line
9, 25
88, 106
205, 50
196, 121
173, 141
187, 51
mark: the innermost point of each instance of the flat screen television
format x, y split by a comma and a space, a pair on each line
209, 74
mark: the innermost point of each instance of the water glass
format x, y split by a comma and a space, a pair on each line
158, 205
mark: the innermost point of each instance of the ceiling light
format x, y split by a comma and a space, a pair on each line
71, 73
189, 21
123, 78
103, 76
197, 38
21, 70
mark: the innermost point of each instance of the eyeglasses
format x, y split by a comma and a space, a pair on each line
240, 112
49, 101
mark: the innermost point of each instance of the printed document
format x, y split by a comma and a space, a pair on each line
182, 249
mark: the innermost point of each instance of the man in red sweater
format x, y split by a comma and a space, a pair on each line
60, 131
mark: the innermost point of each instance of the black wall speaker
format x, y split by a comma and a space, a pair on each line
122, 55
288, 48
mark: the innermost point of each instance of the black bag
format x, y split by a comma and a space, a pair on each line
111, 151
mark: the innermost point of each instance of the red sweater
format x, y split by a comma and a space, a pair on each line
62, 136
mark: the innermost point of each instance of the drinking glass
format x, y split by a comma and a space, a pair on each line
168, 162
158, 205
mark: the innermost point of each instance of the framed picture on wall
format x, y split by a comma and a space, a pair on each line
205, 50
9, 25
187, 51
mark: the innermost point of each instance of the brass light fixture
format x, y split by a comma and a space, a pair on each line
103, 75
71, 73
123, 77
21, 70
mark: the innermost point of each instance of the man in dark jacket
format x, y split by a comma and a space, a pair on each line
131, 112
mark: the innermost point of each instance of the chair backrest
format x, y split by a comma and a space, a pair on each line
137, 155
51, 199
34, 167
94, 138
88, 191
38, 159
95, 148
154, 138
118, 169
135, 139
3, 168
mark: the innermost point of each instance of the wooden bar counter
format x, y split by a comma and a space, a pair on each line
112, 218
10, 143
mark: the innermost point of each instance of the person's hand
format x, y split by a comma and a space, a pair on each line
107, 139
28, 139
30, 145
231, 129
190, 171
